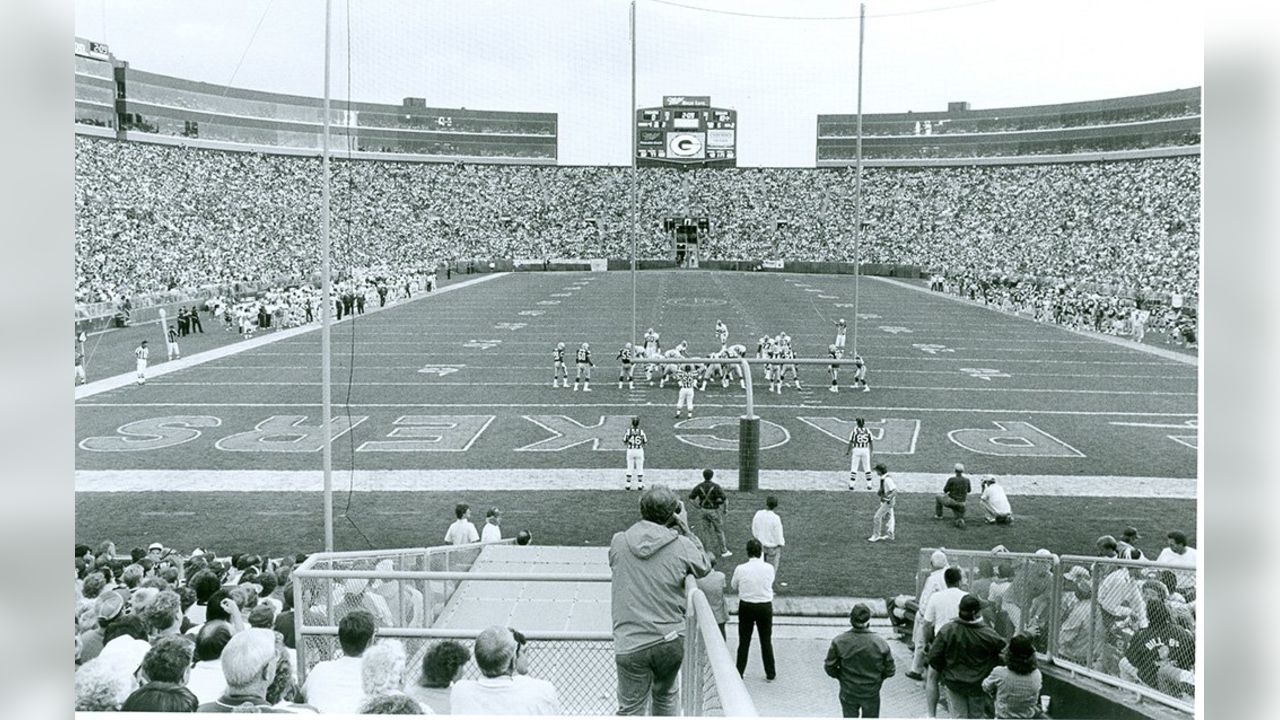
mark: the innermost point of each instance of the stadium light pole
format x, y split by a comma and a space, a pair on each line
857, 182
634, 192
326, 392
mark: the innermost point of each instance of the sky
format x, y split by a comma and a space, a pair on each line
778, 63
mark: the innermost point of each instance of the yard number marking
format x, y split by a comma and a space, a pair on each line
931, 348
984, 373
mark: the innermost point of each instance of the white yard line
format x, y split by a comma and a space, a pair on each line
1129, 344
527, 479
164, 368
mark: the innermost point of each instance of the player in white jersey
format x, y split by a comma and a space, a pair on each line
734, 352
789, 368
836, 353
771, 370
583, 361
670, 369
80, 377
860, 373
625, 356
558, 368
762, 345
687, 379
841, 328
722, 333
652, 349
635, 441
140, 355
714, 371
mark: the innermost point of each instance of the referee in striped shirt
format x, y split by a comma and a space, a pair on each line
635, 441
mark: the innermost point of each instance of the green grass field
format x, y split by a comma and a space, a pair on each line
951, 382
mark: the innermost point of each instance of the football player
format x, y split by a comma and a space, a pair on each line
722, 333
834, 370
686, 378
583, 361
625, 356
788, 368
860, 373
841, 329
734, 352
558, 367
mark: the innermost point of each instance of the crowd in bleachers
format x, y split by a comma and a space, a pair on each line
151, 217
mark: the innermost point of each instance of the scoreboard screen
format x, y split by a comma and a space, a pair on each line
686, 133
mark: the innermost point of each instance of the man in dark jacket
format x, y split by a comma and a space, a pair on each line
953, 496
861, 660
964, 653
709, 497
649, 562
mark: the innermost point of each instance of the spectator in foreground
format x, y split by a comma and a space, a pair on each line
392, 704
932, 584
942, 608
442, 666
649, 562
382, 669
709, 497
861, 660
712, 585
964, 653
249, 666
954, 494
334, 686
492, 526
1161, 655
1179, 553
404, 601
164, 670
524, 537
995, 502
754, 582
102, 685
462, 531
502, 691
1125, 547
1016, 685
766, 527
283, 693
206, 679
883, 523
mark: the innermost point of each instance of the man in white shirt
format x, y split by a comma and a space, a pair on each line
995, 502
1178, 553
753, 580
943, 607
501, 690
492, 526
462, 531
932, 584
766, 527
334, 686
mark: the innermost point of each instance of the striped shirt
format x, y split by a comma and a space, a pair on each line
861, 437
141, 353
635, 439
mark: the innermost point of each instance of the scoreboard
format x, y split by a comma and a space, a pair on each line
686, 131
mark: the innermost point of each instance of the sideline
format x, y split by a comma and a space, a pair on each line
126, 379
1193, 360
528, 479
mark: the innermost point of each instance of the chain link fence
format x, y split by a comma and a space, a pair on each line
407, 590
1129, 623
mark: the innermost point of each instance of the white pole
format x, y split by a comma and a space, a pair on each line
634, 181
326, 309
857, 192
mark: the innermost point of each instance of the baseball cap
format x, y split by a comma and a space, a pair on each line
155, 546
860, 615
970, 606
1132, 533
938, 559
960, 467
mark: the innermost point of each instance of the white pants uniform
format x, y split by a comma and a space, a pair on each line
80, 374
635, 462
840, 340
172, 349
860, 460
685, 399
142, 369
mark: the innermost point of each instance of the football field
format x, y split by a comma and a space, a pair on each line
449, 397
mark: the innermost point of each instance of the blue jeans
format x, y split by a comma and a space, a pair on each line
650, 671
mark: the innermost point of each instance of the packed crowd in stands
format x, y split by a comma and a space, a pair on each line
152, 218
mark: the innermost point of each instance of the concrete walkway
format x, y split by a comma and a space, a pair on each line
802, 689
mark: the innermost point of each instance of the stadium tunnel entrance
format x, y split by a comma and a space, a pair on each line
686, 234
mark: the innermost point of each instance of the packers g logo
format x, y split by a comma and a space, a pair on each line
684, 145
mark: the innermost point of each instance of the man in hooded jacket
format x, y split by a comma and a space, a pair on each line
649, 562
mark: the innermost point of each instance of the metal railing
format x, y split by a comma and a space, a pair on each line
709, 680
1082, 612
580, 664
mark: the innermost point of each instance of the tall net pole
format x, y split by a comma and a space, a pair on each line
634, 180
326, 392
857, 182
